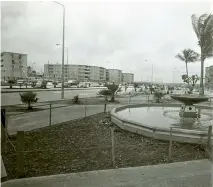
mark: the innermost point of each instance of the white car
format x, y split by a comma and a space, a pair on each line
50, 85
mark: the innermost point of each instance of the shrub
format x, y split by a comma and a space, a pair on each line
11, 82
105, 93
112, 87
29, 98
158, 95
75, 99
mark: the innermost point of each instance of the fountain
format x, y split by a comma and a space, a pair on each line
188, 109
189, 122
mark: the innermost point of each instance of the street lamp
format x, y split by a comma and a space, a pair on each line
152, 71
67, 58
63, 38
174, 75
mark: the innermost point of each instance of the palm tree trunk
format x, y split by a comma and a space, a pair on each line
201, 76
187, 73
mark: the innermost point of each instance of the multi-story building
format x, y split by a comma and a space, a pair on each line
128, 78
76, 72
114, 75
209, 77
13, 65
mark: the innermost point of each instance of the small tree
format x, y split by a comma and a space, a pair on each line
11, 82
44, 84
126, 86
33, 84
112, 87
105, 93
26, 84
135, 86
20, 84
29, 98
55, 83
191, 81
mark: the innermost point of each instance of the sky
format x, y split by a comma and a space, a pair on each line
129, 35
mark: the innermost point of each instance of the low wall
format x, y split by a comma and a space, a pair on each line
179, 135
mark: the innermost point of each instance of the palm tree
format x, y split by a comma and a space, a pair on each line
187, 55
203, 27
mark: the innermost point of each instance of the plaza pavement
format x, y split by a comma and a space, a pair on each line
197, 173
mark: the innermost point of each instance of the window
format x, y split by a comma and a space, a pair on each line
19, 56
2, 60
2, 65
13, 62
2, 54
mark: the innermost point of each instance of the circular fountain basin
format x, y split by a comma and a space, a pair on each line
156, 121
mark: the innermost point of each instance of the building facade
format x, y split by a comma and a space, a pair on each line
128, 78
13, 65
209, 78
114, 75
75, 72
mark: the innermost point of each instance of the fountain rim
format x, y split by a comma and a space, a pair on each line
180, 135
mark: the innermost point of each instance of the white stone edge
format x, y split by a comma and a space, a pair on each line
179, 135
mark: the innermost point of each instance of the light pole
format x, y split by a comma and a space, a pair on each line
63, 38
174, 75
67, 59
152, 71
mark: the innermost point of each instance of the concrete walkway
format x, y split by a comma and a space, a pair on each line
34, 120
183, 174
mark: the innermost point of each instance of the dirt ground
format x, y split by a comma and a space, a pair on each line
85, 145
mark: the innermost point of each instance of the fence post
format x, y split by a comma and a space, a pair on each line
129, 97
85, 111
113, 146
105, 108
20, 154
170, 144
50, 120
209, 137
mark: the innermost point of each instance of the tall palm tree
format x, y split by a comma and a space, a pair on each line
187, 55
203, 27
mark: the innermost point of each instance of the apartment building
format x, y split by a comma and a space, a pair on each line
13, 65
128, 78
114, 75
209, 77
76, 72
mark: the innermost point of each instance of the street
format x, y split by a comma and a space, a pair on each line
14, 98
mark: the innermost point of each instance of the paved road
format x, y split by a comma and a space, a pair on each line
34, 120
182, 174
14, 98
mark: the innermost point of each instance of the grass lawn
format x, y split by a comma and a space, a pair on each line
85, 144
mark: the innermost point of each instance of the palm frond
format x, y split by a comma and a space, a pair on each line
195, 25
180, 57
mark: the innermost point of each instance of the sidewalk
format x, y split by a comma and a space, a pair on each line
191, 174
34, 120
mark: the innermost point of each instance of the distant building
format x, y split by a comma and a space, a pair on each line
128, 77
75, 72
114, 75
13, 65
209, 77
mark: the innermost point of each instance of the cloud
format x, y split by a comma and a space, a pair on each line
120, 33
